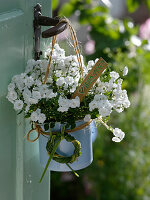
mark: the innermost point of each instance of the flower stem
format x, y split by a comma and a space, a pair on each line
104, 124
50, 158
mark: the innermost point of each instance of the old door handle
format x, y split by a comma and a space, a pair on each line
39, 21
54, 30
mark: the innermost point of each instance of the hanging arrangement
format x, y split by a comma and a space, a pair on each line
64, 98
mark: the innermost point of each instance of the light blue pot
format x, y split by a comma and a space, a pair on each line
65, 148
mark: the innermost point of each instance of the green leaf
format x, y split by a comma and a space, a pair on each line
27, 116
52, 124
75, 173
55, 4
67, 10
133, 5
46, 127
50, 158
73, 125
19, 112
148, 3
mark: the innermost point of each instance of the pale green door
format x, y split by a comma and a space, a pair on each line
20, 168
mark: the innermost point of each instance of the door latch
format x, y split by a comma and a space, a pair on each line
40, 20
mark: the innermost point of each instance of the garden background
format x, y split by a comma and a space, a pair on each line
118, 31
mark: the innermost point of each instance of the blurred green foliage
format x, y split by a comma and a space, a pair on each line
55, 4
133, 5
119, 171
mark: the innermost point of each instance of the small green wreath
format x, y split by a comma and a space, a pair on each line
60, 158
51, 148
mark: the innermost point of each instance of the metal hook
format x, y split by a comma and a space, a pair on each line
39, 21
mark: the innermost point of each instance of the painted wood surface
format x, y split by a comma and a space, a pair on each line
20, 169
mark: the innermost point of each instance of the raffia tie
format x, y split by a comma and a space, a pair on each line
40, 131
76, 48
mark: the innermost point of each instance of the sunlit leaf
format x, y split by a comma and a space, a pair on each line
55, 4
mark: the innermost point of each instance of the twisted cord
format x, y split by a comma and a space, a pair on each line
76, 48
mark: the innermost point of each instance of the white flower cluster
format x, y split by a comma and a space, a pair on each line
65, 104
27, 89
38, 116
104, 103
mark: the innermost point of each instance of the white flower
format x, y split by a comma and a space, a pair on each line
27, 108
125, 71
36, 95
68, 60
33, 101
118, 133
43, 89
50, 94
74, 103
114, 75
18, 105
119, 81
41, 118
64, 104
90, 64
26, 95
26, 92
43, 65
120, 99
62, 109
72, 89
31, 62
38, 116
116, 139
38, 82
126, 103
19, 82
101, 87
104, 112
60, 81
12, 95
28, 81
34, 116
87, 118
92, 105
15, 78
60, 63
97, 59
38, 111
49, 80
99, 97
74, 71
69, 80
11, 86
58, 73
